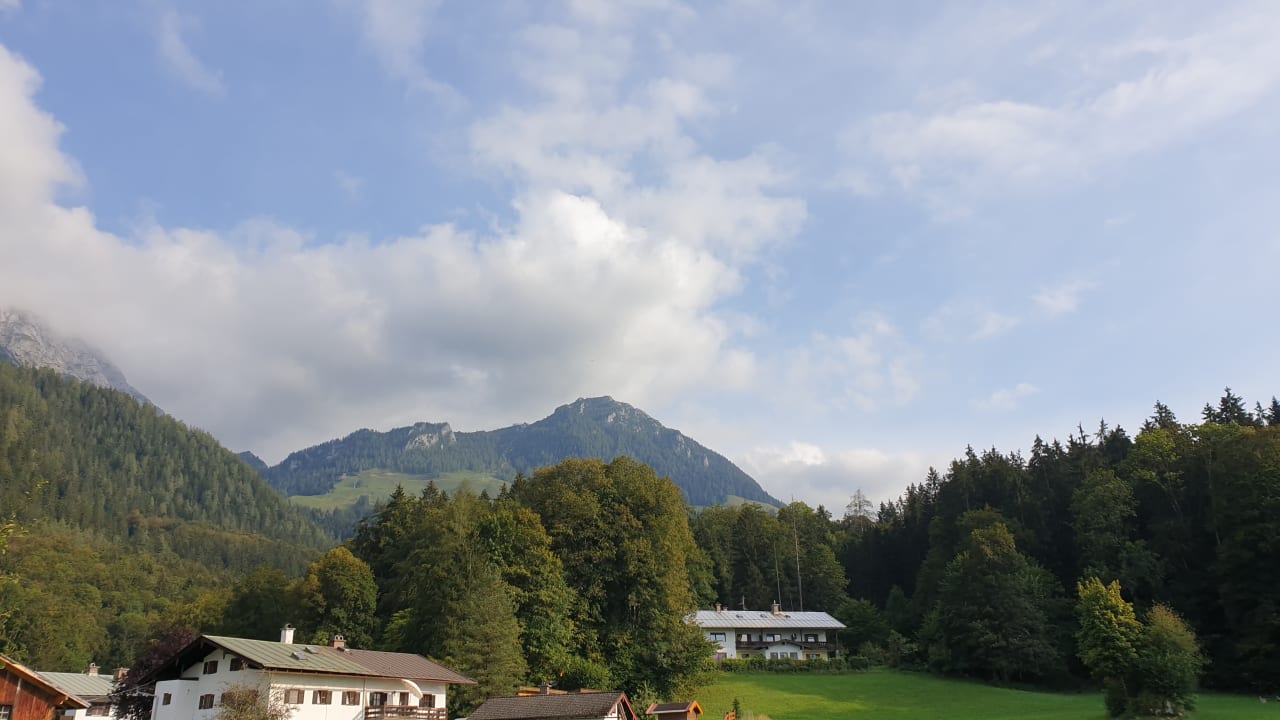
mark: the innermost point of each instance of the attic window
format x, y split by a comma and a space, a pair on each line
210, 667
299, 656
237, 664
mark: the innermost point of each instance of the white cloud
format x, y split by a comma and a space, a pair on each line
274, 341
1007, 399
1061, 300
396, 32
830, 476
1122, 98
993, 324
863, 371
178, 57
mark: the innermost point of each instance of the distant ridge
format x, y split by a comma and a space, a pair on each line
25, 341
598, 427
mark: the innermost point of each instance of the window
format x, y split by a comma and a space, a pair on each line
773, 656
168, 698
427, 701
717, 637
812, 656
350, 697
794, 656
293, 696
772, 638
404, 699
237, 664
99, 711
744, 637
321, 697
6, 712
377, 699
206, 701
211, 667
811, 637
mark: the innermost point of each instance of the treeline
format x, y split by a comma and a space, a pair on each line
579, 575
974, 570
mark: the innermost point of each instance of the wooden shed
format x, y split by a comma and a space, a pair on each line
27, 695
675, 711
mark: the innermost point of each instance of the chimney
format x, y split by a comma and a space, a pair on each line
777, 609
92, 671
286, 634
718, 608
120, 674
544, 689
339, 642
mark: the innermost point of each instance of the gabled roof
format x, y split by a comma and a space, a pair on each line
318, 659
90, 688
571, 706
60, 697
681, 708
764, 619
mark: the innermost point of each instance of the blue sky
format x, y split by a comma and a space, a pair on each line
837, 242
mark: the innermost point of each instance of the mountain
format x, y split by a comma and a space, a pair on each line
93, 459
27, 342
592, 427
253, 461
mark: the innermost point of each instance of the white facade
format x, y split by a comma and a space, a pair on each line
182, 698
769, 634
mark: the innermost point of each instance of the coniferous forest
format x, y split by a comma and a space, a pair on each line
123, 526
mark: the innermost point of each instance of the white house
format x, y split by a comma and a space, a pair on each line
318, 682
89, 686
769, 633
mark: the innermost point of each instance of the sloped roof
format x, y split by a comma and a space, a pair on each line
661, 708
62, 697
91, 688
764, 619
320, 659
571, 706
405, 665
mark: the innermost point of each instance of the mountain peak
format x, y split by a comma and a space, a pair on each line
26, 341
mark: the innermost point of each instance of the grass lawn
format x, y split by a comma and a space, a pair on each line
890, 695
379, 484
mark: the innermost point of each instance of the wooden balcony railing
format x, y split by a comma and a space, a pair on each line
404, 712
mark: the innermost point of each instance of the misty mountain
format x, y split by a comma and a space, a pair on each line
592, 427
27, 342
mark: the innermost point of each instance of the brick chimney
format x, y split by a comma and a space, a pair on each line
777, 609
339, 642
120, 674
544, 689
92, 671
286, 634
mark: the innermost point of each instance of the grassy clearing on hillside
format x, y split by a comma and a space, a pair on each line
379, 484
889, 695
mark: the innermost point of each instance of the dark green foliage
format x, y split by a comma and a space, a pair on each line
864, 623
994, 611
592, 428
338, 596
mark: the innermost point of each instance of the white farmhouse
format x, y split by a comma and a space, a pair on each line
93, 688
317, 682
770, 634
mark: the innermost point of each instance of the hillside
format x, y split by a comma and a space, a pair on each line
27, 342
594, 428
96, 460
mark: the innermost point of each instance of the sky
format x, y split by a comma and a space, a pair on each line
837, 242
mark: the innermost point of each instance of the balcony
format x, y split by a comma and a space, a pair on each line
404, 712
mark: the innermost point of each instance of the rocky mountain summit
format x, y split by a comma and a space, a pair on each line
27, 342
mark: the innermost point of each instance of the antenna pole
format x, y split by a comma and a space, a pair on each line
799, 585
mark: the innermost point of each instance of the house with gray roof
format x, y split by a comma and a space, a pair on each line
90, 686
581, 705
316, 682
772, 634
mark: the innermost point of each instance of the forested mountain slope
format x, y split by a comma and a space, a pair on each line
95, 459
590, 428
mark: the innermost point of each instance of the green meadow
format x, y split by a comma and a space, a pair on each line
890, 695
379, 484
